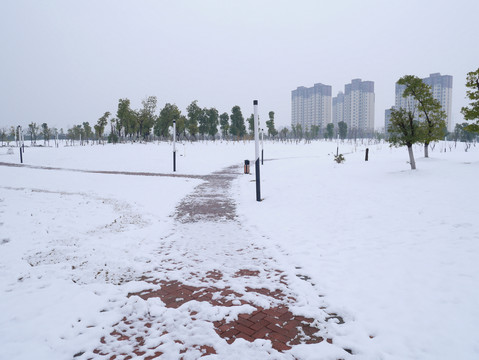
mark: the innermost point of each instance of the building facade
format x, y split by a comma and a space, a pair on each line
338, 108
311, 106
356, 106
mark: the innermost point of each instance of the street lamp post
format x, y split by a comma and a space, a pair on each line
174, 145
256, 143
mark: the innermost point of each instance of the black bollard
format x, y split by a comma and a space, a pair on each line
21, 156
367, 153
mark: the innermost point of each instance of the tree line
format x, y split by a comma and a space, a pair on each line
146, 124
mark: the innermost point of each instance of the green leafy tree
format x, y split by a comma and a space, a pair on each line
462, 133
314, 131
165, 120
471, 112
251, 124
3, 134
343, 130
193, 113
102, 123
181, 126
12, 133
213, 121
88, 131
330, 131
270, 125
146, 116
203, 122
237, 128
46, 133
224, 124
33, 130
297, 131
284, 132
429, 109
404, 130
126, 118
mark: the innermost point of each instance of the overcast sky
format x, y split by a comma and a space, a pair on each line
64, 62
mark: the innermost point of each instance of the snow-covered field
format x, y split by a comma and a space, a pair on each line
395, 252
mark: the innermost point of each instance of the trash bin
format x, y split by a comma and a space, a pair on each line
246, 166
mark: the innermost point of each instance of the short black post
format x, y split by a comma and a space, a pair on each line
21, 156
174, 160
367, 153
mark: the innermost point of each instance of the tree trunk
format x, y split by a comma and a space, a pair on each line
426, 150
411, 158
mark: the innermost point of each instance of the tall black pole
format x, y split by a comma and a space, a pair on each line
174, 145
256, 143
20, 137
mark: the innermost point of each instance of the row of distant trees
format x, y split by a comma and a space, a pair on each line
198, 123
146, 124
425, 123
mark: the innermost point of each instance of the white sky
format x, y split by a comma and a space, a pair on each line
64, 62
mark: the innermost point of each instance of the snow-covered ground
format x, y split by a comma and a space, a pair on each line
395, 252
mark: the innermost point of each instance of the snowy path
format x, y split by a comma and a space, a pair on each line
215, 291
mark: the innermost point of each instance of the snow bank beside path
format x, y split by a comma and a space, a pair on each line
394, 251
199, 158
69, 244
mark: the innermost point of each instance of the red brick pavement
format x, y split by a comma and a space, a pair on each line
277, 324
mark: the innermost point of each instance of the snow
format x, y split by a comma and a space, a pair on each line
392, 251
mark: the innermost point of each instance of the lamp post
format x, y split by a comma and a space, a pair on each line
19, 129
174, 145
256, 147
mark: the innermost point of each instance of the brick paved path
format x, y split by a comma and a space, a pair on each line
212, 271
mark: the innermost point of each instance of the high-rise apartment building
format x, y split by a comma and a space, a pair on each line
356, 106
311, 106
338, 108
441, 88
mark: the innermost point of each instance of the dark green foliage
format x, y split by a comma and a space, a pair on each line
237, 128
88, 131
315, 131
343, 129
339, 158
203, 122
113, 138
169, 113
462, 133
33, 130
471, 112
297, 131
212, 122
330, 131
270, 125
126, 117
145, 118
224, 124
194, 112
405, 130
251, 124
46, 133
102, 123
